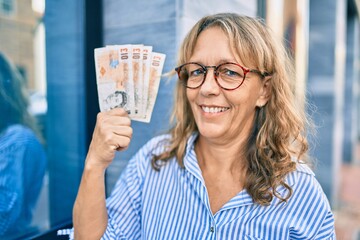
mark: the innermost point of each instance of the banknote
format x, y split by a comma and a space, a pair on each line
109, 75
137, 58
156, 67
128, 76
146, 75
125, 59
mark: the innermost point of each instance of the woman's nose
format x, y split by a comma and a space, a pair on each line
210, 86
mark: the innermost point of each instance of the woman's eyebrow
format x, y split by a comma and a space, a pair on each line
220, 61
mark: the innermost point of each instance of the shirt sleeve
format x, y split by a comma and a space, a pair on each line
327, 230
124, 204
314, 218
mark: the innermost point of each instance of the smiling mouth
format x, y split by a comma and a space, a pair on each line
214, 109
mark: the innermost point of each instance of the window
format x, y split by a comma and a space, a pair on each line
41, 162
7, 7
24, 202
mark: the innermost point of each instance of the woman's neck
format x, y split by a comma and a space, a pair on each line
220, 157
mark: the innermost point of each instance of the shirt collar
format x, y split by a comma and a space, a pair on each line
191, 143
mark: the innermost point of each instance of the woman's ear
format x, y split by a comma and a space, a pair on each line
265, 92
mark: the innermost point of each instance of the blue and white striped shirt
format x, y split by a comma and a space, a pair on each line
173, 204
22, 169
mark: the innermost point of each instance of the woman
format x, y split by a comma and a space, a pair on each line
22, 157
232, 166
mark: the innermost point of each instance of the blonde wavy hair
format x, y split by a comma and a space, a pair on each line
279, 131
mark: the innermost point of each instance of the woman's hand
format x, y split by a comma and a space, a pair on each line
112, 133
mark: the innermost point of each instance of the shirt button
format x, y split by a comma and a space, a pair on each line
212, 229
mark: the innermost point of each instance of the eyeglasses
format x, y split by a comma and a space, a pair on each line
228, 75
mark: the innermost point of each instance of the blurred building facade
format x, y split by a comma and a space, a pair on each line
18, 23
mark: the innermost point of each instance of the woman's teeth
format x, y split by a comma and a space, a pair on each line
214, 109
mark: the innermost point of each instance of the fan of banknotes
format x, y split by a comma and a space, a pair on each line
128, 76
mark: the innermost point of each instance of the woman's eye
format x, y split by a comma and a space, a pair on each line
230, 73
196, 72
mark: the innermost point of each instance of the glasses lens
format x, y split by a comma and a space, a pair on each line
192, 75
230, 76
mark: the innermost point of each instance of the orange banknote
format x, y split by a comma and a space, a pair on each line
128, 76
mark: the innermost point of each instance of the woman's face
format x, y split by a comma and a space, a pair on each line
222, 114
